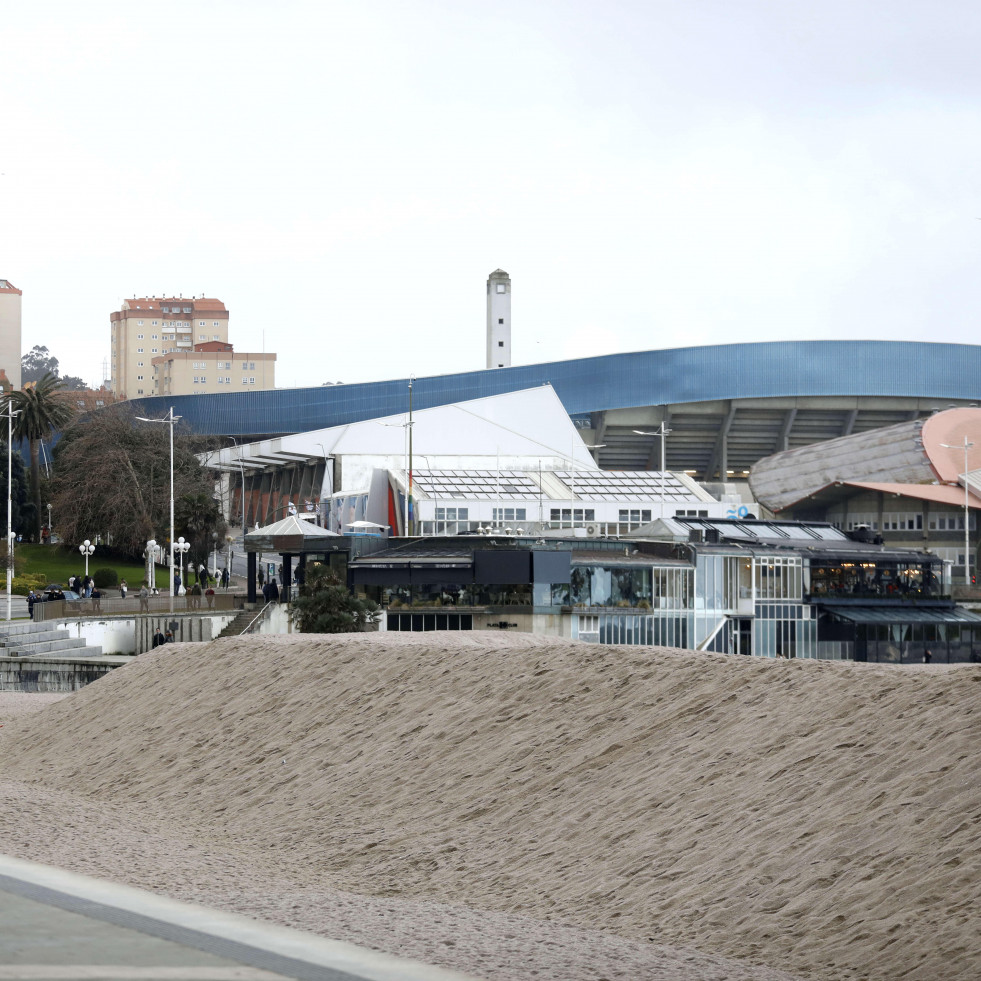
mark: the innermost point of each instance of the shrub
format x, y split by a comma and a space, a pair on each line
22, 585
105, 578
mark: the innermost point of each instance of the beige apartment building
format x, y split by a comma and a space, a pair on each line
10, 352
145, 328
212, 366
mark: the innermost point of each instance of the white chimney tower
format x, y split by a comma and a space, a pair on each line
498, 319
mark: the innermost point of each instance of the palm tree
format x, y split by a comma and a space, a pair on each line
40, 411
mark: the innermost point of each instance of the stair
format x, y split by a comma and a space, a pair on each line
27, 639
239, 624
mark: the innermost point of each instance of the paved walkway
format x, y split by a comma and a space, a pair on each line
61, 926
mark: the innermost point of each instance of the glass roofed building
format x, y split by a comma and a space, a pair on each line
749, 587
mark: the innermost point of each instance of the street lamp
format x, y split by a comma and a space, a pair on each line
663, 433
86, 548
151, 554
967, 527
181, 547
169, 420
10, 498
49, 524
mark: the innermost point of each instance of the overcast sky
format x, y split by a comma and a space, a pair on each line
344, 176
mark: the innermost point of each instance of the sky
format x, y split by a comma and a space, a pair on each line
345, 176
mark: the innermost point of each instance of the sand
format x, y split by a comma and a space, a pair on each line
522, 807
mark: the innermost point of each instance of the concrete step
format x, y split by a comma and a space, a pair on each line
69, 647
33, 637
16, 628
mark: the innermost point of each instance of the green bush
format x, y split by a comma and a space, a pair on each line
104, 578
22, 585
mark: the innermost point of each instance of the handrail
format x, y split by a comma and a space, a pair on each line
253, 623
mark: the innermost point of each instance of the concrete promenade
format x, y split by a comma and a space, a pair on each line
59, 925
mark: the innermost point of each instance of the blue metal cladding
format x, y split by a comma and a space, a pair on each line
613, 381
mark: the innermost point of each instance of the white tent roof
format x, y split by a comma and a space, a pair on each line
532, 423
292, 525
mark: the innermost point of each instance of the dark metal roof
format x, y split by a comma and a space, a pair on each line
903, 614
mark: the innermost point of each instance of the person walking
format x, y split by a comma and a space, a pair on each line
224, 578
158, 638
122, 588
927, 656
271, 592
144, 599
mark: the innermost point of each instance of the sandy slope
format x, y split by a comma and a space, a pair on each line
818, 818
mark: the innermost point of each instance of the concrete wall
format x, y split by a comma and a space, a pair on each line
53, 674
133, 635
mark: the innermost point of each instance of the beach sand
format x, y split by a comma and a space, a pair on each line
520, 807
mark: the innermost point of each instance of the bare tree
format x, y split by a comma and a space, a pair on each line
112, 478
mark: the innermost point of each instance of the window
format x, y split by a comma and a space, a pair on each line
187, 310
500, 343
139, 337
200, 337
139, 364
221, 381
215, 337
139, 391
214, 323
201, 323
139, 323
154, 323
228, 380
153, 350
196, 380
165, 309
510, 514
500, 287
500, 320
153, 337
251, 366
139, 378
139, 350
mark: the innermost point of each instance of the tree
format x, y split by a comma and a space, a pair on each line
112, 478
326, 606
21, 510
41, 410
199, 519
37, 363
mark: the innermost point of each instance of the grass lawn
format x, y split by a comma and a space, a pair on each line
57, 564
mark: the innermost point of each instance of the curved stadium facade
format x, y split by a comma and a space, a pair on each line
725, 406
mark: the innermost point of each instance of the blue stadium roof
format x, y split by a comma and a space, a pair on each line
590, 385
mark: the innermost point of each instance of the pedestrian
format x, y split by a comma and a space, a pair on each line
96, 597
209, 595
202, 573
177, 584
31, 600
169, 638
261, 578
271, 592
927, 656
224, 578
122, 588
196, 595
144, 599
158, 638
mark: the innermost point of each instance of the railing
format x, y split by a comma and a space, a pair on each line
256, 622
108, 606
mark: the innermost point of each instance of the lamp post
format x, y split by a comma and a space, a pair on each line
328, 469
169, 420
49, 524
10, 498
967, 512
663, 433
181, 547
86, 548
151, 553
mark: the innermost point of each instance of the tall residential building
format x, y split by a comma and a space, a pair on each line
10, 352
148, 327
498, 319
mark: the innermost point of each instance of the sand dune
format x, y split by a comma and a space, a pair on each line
818, 818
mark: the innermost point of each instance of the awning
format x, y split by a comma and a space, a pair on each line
902, 614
